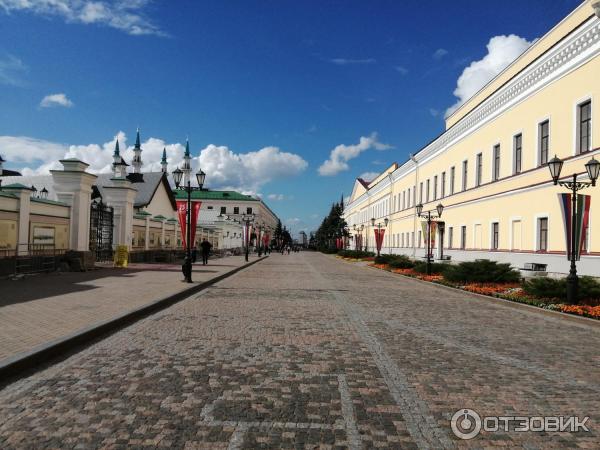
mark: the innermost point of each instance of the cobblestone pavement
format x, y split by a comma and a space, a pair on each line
306, 351
38, 309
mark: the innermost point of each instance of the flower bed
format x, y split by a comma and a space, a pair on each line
581, 310
508, 291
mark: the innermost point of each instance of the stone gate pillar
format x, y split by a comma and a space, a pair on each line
73, 186
120, 195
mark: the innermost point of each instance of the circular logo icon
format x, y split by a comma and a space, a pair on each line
466, 424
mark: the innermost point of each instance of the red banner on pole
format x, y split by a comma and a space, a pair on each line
195, 214
181, 212
181, 215
379, 232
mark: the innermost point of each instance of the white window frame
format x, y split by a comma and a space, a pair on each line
511, 245
536, 230
538, 142
512, 153
491, 234
475, 235
576, 105
493, 160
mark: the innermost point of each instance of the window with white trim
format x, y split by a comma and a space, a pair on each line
584, 127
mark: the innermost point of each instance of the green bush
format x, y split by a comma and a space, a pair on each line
589, 290
547, 288
384, 259
358, 254
328, 251
556, 289
421, 267
402, 262
482, 271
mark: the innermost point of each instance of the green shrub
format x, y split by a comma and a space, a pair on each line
546, 288
482, 271
384, 259
328, 251
421, 267
402, 262
556, 289
589, 290
358, 254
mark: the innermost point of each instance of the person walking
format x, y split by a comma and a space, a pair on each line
205, 246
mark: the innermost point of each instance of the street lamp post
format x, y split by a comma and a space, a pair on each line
200, 176
430, 218
593, 170
247, 219
379, 227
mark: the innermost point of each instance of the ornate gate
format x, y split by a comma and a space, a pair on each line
101, 231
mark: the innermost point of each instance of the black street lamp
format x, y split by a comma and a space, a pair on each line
593, 170
200, 176
379, 227
430, 218
247, 219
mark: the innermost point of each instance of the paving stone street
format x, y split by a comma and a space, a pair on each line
308, 351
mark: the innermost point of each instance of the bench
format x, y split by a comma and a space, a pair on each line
535, 267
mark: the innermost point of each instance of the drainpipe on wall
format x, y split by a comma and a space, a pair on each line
414, 243
389, 213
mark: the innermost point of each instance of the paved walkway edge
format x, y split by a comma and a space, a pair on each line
26, 363
581, 320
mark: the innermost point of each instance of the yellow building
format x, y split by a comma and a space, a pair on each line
488, 168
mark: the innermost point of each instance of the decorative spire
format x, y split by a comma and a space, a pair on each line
116, 153
187, 163
137, 139
163, 161
137, 154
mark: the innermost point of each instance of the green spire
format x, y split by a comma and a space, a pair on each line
187, 147
116, 153
164, 157
137, 139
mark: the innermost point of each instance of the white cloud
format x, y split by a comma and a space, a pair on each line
502, 50
11, 69
123, 15
56, 100
369, 176
340, 155
276, 197
401, 70
345, 61
439, 53
246, 172
434, 112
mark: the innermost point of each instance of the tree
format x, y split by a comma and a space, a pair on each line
332, 227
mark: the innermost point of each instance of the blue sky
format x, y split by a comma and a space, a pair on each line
239, 76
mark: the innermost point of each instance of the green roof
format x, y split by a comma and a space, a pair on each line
16, 186
49, 202
213, 195
160, 217
143, 213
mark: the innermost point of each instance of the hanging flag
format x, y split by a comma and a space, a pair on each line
181, 214
432, 230
583, 213
379, 232
582, 219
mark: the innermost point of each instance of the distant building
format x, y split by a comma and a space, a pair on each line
73, 209
303, 239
